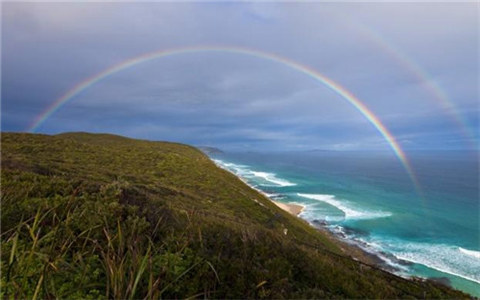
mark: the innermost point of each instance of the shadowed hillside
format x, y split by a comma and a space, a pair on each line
102, 216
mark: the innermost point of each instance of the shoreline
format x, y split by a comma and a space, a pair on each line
294, 209
348, 249
355, 251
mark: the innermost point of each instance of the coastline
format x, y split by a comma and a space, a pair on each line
348, 249
351, 248
294, 209
355, 251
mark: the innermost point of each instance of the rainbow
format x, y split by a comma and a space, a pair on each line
422, 76
338, 89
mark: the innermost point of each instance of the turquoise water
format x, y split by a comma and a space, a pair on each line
368, 199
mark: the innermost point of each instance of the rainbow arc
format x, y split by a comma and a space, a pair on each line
337, 88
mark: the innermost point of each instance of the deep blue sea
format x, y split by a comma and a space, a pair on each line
368, 199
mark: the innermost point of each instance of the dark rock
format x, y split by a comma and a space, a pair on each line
442, 280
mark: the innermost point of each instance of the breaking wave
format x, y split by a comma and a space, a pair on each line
347, 208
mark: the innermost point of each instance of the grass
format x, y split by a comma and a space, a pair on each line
102, 216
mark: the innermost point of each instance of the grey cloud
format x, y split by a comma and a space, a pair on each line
48, 48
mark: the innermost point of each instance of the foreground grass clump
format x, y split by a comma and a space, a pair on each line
102, 216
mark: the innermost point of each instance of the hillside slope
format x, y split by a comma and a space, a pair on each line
96, 215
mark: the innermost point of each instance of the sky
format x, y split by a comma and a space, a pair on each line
415, 66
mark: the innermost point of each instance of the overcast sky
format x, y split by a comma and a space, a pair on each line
236, 101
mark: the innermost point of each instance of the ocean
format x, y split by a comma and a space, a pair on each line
368, 199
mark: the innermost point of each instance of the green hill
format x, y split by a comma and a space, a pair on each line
102, 216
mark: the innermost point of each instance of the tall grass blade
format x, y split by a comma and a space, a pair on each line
143, 265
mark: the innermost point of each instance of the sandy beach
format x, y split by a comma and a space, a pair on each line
294, 209
348, 249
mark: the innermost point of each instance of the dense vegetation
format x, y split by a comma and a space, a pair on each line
102, 216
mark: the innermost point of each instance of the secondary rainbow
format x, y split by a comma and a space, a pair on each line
420, 74
341, 91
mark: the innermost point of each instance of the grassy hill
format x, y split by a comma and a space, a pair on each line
102, 216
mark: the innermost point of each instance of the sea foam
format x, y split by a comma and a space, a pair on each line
471, 253
445, 258
271, 177
449, 259
348, 209
267, 179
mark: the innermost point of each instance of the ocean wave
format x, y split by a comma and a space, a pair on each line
391, 263
271, 177
273, 196
230, 166
445, 258
398, 253
268, 179
472, 253
347, 209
